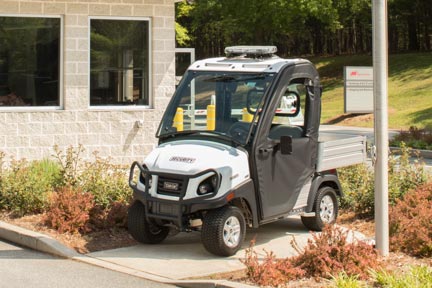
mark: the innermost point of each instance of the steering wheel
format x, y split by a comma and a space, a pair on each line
239, 130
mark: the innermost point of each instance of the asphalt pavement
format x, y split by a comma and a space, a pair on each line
21, 267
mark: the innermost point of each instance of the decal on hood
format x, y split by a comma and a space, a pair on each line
182, 159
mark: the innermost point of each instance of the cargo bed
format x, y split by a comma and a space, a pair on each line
337, 150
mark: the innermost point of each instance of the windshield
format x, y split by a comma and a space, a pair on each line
219, 103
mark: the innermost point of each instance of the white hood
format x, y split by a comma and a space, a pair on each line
189, 157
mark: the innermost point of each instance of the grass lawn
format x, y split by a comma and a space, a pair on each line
410, 89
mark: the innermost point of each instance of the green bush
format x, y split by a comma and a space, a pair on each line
26, 186
105, 181
358, 182
416, 277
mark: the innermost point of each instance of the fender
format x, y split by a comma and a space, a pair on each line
328, 179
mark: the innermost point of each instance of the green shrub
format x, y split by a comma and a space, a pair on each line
26, 186
416, 277
343, 280
105, 181
415, 138
411, 224
358, 182
70, 163
69, 210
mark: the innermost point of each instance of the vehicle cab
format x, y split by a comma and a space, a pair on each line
237, 147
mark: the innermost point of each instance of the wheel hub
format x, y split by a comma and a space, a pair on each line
231, 232
327, 209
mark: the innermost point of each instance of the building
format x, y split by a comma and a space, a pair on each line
92, 72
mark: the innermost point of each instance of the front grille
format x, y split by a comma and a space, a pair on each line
171, 186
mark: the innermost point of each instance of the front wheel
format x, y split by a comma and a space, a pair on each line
326, 209
142, 230
223, 231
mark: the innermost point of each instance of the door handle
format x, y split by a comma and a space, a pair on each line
265, 150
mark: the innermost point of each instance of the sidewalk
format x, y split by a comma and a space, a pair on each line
179, 260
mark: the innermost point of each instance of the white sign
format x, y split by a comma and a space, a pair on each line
358, 89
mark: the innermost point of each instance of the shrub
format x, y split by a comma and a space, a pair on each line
330, 252
417, 276
327, 253
69, 210
26, 186
342, 280
415, 138
411, 224
358, 182
271, 271
114, 216
70, 164
107, 182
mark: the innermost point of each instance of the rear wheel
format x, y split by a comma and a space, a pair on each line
326, 209
223, 231
142, 230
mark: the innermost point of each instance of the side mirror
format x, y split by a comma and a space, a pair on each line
253, 99
286, 145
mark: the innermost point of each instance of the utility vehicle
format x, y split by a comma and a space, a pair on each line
239, 146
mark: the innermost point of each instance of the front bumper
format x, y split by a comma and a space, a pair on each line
175, 211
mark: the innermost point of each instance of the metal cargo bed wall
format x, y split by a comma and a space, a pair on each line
339, 150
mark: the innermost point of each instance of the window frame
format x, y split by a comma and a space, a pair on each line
150, 68
61, 67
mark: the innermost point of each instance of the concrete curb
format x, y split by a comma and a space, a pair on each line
44, 243
427, 154
35, 241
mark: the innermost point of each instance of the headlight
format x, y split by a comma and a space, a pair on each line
209, 185
142, 179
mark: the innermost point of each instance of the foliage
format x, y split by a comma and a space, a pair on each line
411, 222
270, 271
416, 277
106, 181
329, 252
343, 280
301, 27
26, 186
414, 138
408, 95
70, 163
358, 182
69, 210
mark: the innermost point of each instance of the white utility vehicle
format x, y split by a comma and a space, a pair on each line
239, 146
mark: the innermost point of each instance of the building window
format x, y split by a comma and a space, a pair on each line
119, 62
30, 61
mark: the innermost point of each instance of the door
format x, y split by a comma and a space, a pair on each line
281, 176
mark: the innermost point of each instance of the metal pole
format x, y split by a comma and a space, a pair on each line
380, 64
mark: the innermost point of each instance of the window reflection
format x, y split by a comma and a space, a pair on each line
119, 62
29, 61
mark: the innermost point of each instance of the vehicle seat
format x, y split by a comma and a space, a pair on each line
283, 130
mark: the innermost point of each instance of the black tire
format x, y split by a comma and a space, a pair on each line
217, 231
142, 230
326, 209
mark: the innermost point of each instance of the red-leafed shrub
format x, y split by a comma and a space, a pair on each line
411, 222
327, 254
69, 210
330, 252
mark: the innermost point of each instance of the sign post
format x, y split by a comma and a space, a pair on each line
380, 64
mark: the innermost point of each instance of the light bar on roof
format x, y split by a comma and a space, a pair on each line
250, 50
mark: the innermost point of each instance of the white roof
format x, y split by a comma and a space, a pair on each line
244, 64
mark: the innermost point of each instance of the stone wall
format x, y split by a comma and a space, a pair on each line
32, 133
